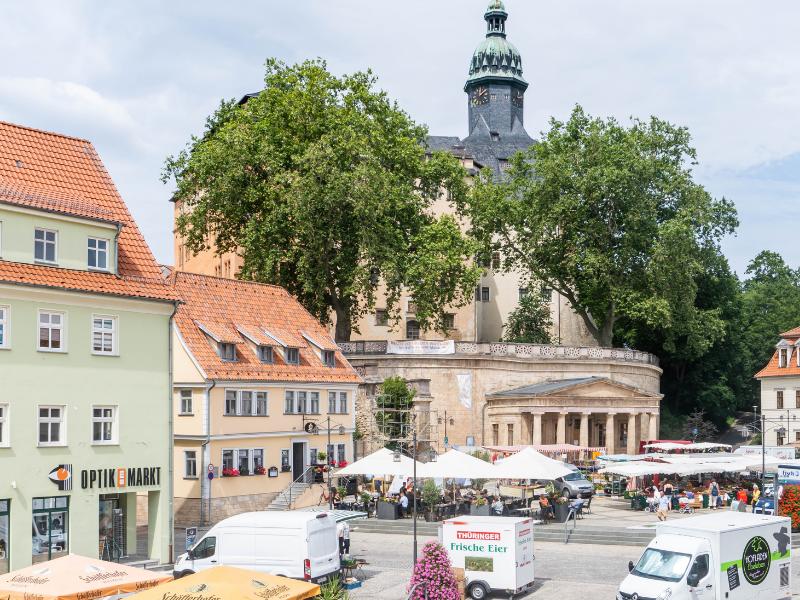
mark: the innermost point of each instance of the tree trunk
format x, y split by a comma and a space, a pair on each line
344, 328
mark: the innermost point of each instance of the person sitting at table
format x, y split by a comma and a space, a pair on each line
545, 510
741, 495
497, 506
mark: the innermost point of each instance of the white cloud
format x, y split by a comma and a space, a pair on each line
139, 78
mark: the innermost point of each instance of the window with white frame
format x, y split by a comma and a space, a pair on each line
288, 406
783, 357
230, 402
104, 424
51, 426
341, 455
104, 334
186, 402
4, 434
313, 398
98, 254
190, 464
227, 460
246, 403
5, 340
45, 243
51, 331
243, 461
286, 465
329, 358
258, 459
337, 402
293, 356
301, 402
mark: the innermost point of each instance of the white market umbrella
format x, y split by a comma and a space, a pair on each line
380, 463
457, 465
530, 464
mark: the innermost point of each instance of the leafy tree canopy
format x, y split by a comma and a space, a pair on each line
610, 217
323, 185
530, 322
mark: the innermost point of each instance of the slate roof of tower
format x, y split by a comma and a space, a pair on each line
59, 174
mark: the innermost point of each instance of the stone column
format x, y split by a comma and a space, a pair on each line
633, 442
561, 429
584, 435
536, 438
653, 432
611, 434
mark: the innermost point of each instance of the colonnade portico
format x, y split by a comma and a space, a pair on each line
581, 412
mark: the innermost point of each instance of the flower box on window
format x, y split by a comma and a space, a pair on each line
342, 463
230, 472
286, 468
261, 471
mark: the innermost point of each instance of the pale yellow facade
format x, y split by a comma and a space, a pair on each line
206, 437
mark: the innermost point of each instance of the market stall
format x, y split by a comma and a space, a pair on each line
74, 577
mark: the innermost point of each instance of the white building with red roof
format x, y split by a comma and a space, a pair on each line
85, 420
780, 391
262, 398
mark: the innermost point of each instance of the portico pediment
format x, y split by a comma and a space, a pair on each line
584, 387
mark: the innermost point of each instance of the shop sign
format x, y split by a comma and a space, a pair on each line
62, 477
120, 477
756, 560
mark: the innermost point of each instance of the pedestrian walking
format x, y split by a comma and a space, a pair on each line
345, 538
756, 495
713, 491
668, 491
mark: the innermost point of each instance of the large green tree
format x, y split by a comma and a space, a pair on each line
323, 185
610, 217
770, 306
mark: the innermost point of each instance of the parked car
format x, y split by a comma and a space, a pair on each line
574, 485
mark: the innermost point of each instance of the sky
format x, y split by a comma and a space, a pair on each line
139, 78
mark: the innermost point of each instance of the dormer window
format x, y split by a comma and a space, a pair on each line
292, 356
227, 351
329, 358
266, 354
783, 357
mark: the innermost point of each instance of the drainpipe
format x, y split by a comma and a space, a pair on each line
170, 420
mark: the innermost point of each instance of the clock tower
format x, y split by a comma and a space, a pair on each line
495, 87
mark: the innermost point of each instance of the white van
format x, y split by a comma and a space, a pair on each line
300, 545
727, 555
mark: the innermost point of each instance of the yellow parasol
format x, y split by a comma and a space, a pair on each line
229, 583
74, 577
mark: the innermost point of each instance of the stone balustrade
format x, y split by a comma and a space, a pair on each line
530, 351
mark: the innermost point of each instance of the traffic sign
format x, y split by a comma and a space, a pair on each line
210, 468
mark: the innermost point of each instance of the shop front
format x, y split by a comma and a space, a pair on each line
5, 542
50, 530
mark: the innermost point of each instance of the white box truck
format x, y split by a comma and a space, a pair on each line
724, 556
496, 553
296, 544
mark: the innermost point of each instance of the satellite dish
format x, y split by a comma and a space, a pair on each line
311, 428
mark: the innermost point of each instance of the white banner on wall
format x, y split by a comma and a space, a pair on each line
781, 452
421, 347
464, 389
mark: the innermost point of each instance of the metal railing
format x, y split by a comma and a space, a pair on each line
422, 585
573, 514
306, 477
524, 351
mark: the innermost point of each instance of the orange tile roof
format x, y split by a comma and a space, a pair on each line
53, 172
792, 333
773, 370
232, 305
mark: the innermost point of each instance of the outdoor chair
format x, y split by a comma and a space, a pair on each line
587, 505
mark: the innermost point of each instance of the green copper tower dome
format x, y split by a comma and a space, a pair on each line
496, 58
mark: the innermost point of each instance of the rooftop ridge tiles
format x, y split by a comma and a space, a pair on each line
45, 132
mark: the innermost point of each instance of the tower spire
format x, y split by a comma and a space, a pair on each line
496, 16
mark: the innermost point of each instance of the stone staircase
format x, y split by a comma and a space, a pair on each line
288, 496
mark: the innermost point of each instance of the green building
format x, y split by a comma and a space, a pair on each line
85, 390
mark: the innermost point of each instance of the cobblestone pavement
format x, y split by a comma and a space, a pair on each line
562, 571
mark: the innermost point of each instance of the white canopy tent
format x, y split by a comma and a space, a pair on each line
694, 447
380, 463
457, 465
530, 464
684, 465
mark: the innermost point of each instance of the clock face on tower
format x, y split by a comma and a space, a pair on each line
479, 96
517, 98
